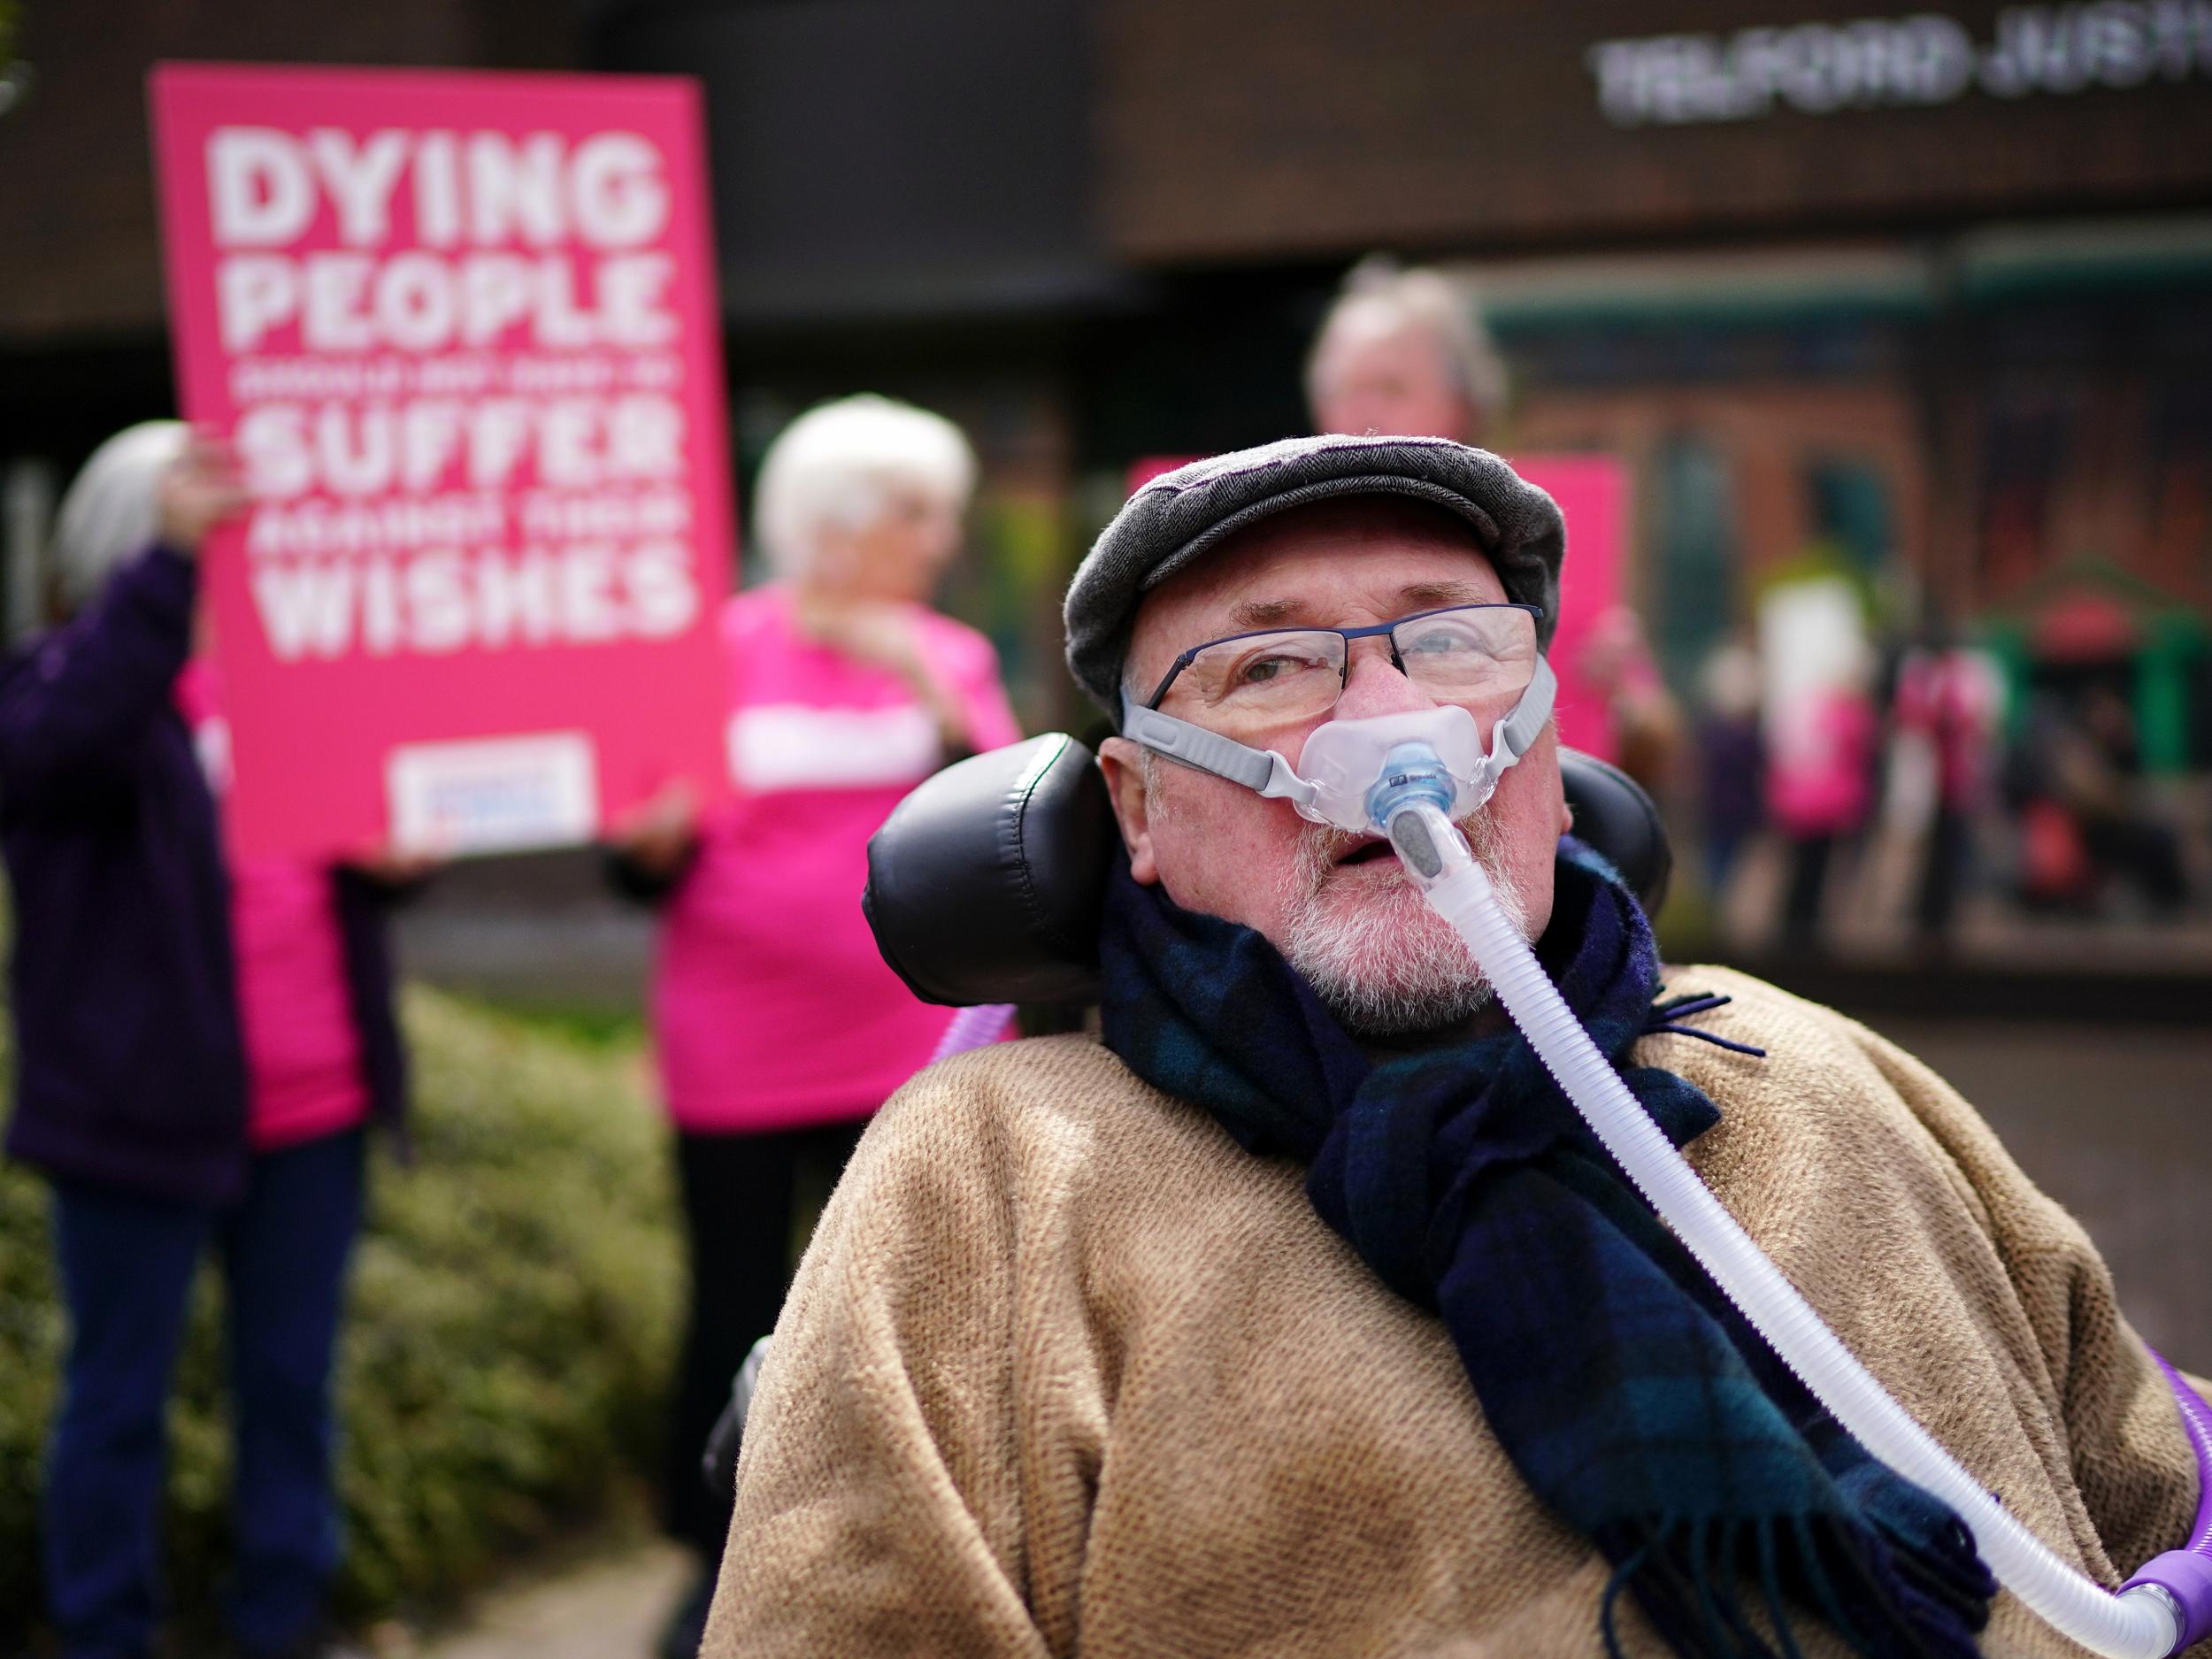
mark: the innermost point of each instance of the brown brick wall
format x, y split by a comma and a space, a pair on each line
80, 255
1257, 128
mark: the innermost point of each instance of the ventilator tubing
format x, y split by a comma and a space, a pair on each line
2154, 1615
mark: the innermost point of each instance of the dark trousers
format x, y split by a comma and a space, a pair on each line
1948, 846
1809, 881
2143, 852
739, 1195
127, 1265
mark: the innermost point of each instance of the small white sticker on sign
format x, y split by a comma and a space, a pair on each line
494, 794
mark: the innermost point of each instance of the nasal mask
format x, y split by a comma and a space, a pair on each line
1358, 772
1411, 777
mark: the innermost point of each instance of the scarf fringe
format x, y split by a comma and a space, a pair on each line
1690, 1577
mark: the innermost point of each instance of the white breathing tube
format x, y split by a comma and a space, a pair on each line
1429, 768
2141, 1621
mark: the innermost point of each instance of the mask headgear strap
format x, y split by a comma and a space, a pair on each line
1519, 728
1262, 770
1266, 774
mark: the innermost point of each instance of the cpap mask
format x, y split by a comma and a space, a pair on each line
1352, 767
1410, 776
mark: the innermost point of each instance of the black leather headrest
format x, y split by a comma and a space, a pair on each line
1614, 815
985, 884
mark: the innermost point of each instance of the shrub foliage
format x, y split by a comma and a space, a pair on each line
508, 1338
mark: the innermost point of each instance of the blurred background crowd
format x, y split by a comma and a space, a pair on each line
1906, 358
1932, 369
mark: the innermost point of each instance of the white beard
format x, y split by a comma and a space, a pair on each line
1381, 960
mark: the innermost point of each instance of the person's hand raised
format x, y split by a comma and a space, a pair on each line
391, 867
199, 489
869, 631
886, 634
657, 833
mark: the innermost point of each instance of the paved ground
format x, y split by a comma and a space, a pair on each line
607, 1608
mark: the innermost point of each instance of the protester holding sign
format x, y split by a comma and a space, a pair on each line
198, 1052
777, 1026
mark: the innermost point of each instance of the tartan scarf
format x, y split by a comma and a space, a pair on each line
1628, 1391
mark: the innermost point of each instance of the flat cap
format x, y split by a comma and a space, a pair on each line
1175, 519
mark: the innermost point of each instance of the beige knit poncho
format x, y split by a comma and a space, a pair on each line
1068, 1372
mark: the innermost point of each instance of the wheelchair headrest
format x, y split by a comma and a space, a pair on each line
985, 884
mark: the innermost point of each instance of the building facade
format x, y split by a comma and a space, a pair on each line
1925, 296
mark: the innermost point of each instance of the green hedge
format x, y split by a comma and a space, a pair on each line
509, 1335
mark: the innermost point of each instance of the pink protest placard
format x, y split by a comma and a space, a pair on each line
462, 331
1592, 491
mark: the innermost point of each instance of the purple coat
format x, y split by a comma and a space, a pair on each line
129, 1066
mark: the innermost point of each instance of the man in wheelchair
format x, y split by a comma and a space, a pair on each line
1298, 1312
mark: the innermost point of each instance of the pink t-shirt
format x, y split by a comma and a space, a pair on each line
1955, 700
1821, 784
770, 1006
303, 1072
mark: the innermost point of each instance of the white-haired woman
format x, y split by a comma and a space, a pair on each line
198, 1049
777, 1027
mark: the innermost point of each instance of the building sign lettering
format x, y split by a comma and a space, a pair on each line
1875, 63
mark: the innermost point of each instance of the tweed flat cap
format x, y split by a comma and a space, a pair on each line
1180, 516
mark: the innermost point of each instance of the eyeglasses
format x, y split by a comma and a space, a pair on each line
1246, 683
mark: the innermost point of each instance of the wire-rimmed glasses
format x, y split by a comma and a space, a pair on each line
1482, 657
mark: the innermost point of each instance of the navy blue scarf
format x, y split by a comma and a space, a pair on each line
1627, 1390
